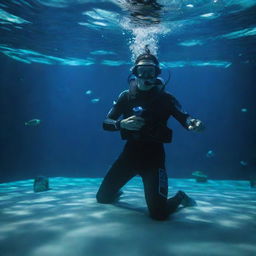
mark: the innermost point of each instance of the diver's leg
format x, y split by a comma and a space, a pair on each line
186, 200
155, 183
118, 175
156, 191
174, 202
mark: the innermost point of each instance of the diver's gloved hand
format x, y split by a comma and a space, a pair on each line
133, 123
195, 124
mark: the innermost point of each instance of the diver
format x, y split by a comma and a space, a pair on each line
141, 114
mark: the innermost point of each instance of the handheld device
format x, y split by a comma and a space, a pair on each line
137, 111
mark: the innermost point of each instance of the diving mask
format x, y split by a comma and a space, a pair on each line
146, 71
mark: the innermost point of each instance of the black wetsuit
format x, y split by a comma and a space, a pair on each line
143, 155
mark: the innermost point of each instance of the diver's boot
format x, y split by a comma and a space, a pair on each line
186, 200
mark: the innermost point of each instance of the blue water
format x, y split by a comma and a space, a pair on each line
65, 62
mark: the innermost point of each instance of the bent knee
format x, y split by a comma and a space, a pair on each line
103, 199
159, 215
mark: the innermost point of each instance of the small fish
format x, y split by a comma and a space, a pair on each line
243, 163
243, 109
33, 122
210, 154
198, 174
89, 92
95, 100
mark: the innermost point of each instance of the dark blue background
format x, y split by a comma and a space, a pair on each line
70, 140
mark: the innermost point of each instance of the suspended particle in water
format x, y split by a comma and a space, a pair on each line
243, 163
95, 100
244, 110
210, 154
33, 122
88, 92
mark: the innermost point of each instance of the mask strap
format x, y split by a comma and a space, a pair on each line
130, 78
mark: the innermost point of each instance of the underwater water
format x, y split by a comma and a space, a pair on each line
64, 64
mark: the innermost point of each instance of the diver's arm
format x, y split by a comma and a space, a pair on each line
111, 123
180, 115
189, 123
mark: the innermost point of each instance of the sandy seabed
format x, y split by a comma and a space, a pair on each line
68, 221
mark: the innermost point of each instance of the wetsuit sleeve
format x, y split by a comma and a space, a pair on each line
111, 123
178, 113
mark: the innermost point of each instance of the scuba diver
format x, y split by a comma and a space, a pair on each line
145, 109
